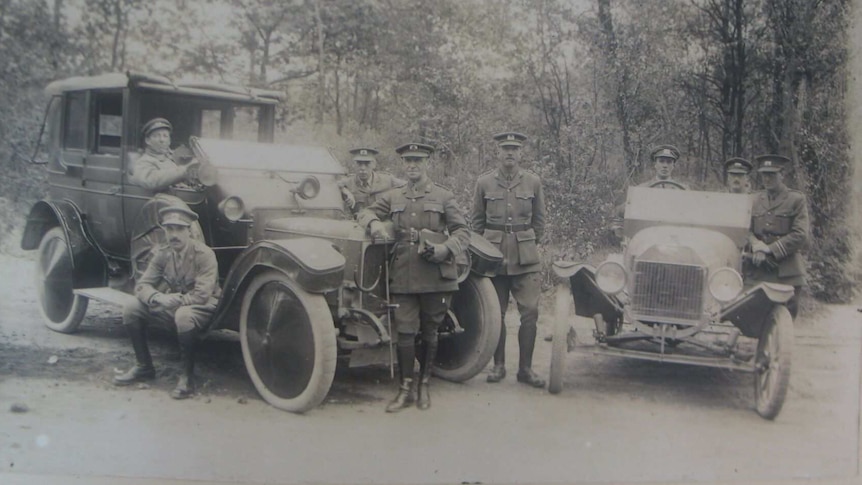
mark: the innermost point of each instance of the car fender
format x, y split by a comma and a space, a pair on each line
749, 310
313, 263
88, 262
589, 299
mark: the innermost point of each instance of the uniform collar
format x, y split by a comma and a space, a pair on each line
421, 187
370, 183
160, 155
515, 175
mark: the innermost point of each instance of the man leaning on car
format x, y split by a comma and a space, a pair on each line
779, 229
156, 169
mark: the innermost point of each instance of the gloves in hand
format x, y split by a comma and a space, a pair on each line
435, 253
348, 197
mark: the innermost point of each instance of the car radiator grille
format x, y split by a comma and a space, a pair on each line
668, 291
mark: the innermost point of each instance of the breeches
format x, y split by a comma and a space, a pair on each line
525, 288
420, 312
185, 318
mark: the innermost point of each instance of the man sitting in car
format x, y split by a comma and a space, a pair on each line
157, 168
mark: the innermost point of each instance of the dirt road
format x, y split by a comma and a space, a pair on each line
616, 420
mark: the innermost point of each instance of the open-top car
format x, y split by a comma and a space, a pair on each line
676, 294
303, 285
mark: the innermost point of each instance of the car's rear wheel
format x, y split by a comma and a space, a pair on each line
288, 342
772, 362
61, 308
563, 311
460, 356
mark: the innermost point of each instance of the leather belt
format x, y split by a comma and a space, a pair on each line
508, 228
407, 235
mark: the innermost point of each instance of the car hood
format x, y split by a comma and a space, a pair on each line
245, 155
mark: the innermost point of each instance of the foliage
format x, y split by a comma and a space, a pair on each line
594, 83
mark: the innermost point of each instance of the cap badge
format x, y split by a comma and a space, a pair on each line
414, 147
510, 137
363, 152
767, 163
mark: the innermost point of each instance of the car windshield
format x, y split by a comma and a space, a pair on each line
205, 117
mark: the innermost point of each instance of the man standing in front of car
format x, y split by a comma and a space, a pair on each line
364, 187
179, 287
509, 211
423, 274
156, 169
779, 229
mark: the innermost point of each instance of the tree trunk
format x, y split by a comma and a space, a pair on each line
321, 76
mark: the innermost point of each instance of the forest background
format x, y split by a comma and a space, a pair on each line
593, 83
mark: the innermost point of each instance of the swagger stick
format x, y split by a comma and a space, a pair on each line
388, 309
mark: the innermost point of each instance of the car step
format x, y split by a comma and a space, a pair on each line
106, 295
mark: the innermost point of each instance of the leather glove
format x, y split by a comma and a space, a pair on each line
435, 253
760, 247
192, 170
758, 258
377, 230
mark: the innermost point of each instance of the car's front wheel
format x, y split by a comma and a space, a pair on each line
563, 312
772, 362
61, 308
464, 350
288, 342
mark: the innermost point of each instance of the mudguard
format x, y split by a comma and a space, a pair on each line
88, 262
313, 263
749, 311
589, 299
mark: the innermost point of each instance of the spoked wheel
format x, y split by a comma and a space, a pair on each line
460, 356
288, 342
564, 310
772, 363
61, 308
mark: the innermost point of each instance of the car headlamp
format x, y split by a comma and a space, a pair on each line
725, 284
232, 208
308, 188
611, 277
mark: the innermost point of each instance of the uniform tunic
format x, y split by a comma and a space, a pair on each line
425, 205
192, 273
782, 223
510, 213
366, 194
157, 171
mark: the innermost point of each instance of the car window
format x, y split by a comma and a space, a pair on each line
75, 120
109, 122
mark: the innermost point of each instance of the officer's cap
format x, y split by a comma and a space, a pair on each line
417, 150
176, 216
363, 154
738, 165
771, 163
156, 124
510, 139
666, 151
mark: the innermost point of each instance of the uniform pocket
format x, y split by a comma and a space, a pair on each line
524, 202
448, 269
433, 215
395, 212
495, 203
528, 252
493, 236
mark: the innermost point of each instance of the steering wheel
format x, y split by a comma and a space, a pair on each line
674, 183
205, 174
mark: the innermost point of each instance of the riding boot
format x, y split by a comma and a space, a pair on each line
406, 393
143, 368
185, 384
426, 364
526, 343
498, 372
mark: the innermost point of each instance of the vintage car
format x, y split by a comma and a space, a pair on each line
303, 285
676, 294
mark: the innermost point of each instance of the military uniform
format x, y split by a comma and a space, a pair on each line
421, 289
780, 219
156, 170
509, 211
191, 274
366, 194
